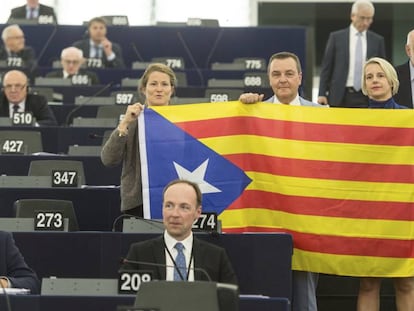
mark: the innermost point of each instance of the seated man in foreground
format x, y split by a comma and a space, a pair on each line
14, 272
184, 255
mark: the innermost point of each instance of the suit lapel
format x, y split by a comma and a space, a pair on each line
159, 256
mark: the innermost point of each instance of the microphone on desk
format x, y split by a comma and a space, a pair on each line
99, 92
44, 48
190, 55
150, 221
160, 265
137, 53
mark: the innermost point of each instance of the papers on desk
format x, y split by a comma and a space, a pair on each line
100, 187
254, 296
15, 291
42, 153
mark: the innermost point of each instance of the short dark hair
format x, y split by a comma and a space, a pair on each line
199, 196
98, 19
284, 55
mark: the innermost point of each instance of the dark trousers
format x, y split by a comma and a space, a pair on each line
354, 99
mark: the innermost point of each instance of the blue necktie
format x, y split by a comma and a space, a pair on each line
358, 63
180, 262
98, 51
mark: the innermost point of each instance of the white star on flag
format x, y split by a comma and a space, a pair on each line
196, 176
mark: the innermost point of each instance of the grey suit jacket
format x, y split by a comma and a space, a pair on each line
404, 95
335, 63
302, 101
209, 257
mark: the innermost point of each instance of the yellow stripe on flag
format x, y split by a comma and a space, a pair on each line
353, 265
334, 226
331, 189
321, 151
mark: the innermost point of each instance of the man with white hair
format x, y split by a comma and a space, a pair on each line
405, 95
15, 52
346, 52
72, 59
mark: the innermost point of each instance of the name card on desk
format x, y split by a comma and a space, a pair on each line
94, 62
15, 146
130, 281
80, 80
124, 98
206, 222
49, 220
15, 62
255, 79
46, 19
64, 178
22, 118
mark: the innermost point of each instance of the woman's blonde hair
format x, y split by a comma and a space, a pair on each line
389, 71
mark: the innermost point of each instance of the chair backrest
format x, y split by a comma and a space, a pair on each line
113, 111
76, 150
45, 168
25, 142
95, 122
26, 208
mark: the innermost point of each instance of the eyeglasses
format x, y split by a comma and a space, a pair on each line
74, 62
18, 87
365, 18
16, 37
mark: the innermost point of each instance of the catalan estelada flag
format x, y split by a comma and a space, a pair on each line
341, 181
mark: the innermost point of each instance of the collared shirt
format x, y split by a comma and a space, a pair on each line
21, 108
65, 74
188, 247
34, 10
352, 44
294, 102
93, 51
412, 81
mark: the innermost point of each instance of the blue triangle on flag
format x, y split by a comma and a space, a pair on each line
171, 150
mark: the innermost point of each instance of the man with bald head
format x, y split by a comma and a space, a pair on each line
72, 59
15, 99
14, 51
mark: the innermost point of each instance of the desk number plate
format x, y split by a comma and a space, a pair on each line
130, 281
48, 221
206, 222
64, 178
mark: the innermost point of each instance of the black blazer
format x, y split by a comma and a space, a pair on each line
13, 266
117, 62
213, 259
28, 56
93, 77
404, 95
37, 104
20, 12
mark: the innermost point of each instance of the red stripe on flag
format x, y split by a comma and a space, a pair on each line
299, 131
316, 206
337, 245
323, 169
